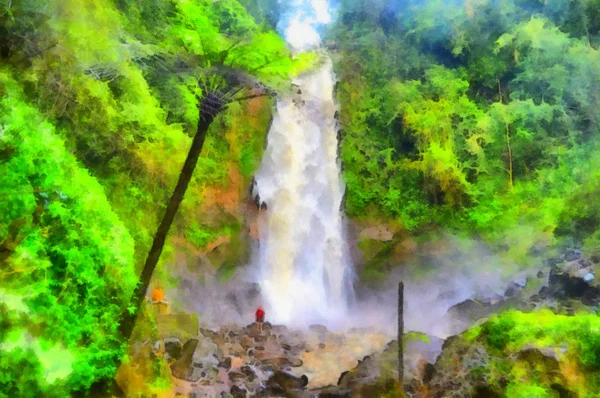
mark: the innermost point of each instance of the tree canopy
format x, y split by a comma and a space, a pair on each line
477, 116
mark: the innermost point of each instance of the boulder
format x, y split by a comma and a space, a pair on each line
173, 348
540, 274
225, 363
260, 338
206, 352
573, 255
467, 359
182, 368
564, 284
246, 341
468, 312
249, 373
285, 383
237, 376
282, 362
238, 392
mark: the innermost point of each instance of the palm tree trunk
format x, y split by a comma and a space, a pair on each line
206, 118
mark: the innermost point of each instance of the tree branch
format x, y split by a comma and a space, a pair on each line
249, 97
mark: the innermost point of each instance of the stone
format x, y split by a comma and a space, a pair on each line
238, 392
282, 362
209, 333
573, 254
236, 376
285, 383
469, 310
249, 373
267, 326
173, 347
540, 274
226, 363
510, 292
343, 393
182, 368
521, 282
589, 277
246, 341
237, 362
564, 285
554, 262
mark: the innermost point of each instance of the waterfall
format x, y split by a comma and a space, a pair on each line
302, 258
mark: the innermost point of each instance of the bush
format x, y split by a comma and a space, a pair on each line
497, 331
588, 346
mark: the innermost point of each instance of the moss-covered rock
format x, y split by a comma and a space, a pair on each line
515, 354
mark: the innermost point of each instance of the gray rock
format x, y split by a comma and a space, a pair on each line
521, 282
572, 255
182, 368
226, 363
173, 347
285, 383
540, 274
282, 362
469, 310
236, 376
249, 373
589, 277
238, 392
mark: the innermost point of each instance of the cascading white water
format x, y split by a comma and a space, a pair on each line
304, 269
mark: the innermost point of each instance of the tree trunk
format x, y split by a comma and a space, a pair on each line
206, 118
508, 147
510, 158
401, 334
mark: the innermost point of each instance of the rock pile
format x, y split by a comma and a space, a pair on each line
272, 362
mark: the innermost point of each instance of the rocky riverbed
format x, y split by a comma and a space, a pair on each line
237, 361
277, 361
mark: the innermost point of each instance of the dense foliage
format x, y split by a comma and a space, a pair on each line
98, 102
479, 116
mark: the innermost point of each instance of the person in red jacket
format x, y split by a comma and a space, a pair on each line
260, 318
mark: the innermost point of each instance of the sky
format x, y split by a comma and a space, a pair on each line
301, 22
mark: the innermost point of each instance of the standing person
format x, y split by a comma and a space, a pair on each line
260, 318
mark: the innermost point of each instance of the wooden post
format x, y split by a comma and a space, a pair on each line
401, 334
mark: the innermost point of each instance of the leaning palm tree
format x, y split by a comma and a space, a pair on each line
221, 87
